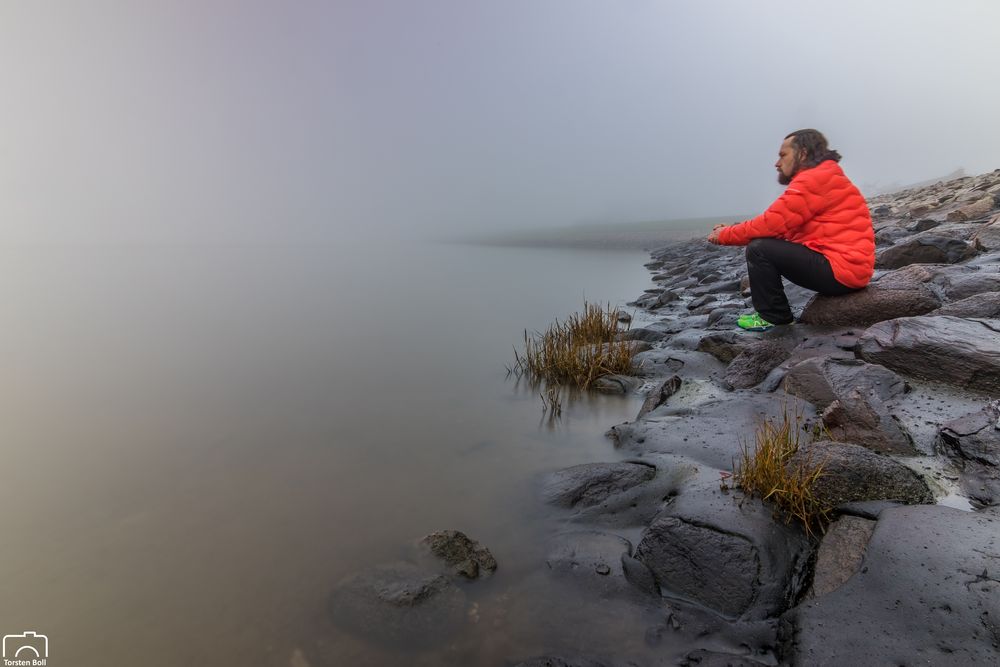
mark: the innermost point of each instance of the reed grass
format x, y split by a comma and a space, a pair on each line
765, 471
577, 351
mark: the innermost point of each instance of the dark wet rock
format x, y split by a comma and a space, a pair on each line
851, 395
889, 235
973, 443
659, 395
756, 360
718, 287
988, 238
644, 334
823, 380
923, 225
398, 605
852, 473
701, 301
964, 352
925, 249
624, 317
594, 562
709, 434
972, 284
617, 384
656, 363
840, 553
667, 296
865, 509
928, 593
726, 553
575, 661
705, 658
639, 575
724, 346
592, 483
463, 555
725, 312
875, 303
985, 305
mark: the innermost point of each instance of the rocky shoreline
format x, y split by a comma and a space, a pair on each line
902, 379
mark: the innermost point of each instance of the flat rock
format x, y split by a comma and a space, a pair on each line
927, 594
659, 395
398, 605
593, 560
724, 346
956, 351
985, 305
975, 283
853, 473
592, 483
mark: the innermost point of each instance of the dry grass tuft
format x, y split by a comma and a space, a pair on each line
765, 472
578, 351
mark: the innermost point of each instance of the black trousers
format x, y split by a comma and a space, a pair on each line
770, 260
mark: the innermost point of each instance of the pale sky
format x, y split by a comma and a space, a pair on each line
211, 120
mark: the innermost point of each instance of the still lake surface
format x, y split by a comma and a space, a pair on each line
200, 442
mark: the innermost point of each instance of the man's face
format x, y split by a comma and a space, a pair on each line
788, 162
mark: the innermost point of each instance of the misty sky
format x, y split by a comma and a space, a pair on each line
292, 120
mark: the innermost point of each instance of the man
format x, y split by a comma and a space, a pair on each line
818, 234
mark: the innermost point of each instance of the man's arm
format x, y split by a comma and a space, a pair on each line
796, 205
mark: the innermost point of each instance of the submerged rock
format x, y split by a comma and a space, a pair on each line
465, 556
398, 605
592, 483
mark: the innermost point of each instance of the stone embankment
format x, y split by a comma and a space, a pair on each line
903, 376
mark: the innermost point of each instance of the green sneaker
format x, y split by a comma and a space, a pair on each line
753, 322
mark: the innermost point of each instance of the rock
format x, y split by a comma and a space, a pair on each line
923, 225
823, 380
617, 384
644, 334
659, 395
973, 443
977, 209
704, 658
840, 553
624, 317
592, 483
594, 561
927, 594
398, 605
865, 420
976, 283
988, 238
724, 346
872, 304
728, 555
466, 557
956, 351
984, 305
924, 250
756, 360
701, 301
852, 473
562, 661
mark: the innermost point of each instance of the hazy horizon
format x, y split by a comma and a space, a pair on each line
323, 122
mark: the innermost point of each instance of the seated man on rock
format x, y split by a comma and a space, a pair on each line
818, 234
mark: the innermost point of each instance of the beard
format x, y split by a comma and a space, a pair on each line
782, 179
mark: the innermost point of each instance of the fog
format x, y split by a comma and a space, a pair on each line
246, 122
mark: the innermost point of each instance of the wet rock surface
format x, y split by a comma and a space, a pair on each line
465, 556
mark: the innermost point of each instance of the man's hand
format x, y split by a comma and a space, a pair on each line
713, 236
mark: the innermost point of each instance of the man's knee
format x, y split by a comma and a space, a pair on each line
756, 247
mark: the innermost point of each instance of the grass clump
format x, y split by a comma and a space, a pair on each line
578, 351
766, 471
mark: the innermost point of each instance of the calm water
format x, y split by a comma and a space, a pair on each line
198, 443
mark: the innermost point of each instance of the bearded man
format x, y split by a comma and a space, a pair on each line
818, 234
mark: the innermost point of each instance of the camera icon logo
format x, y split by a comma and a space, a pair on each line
26, 645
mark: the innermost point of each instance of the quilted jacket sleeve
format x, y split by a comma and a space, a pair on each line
798, 204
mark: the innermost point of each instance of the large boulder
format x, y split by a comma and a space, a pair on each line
927, 594
725, 552
853, 473
925, 249
988, 238
974, 283
956, 351
973, 443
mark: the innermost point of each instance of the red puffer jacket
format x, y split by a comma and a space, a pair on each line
822, 210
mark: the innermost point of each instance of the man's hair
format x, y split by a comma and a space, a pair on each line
812, 144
